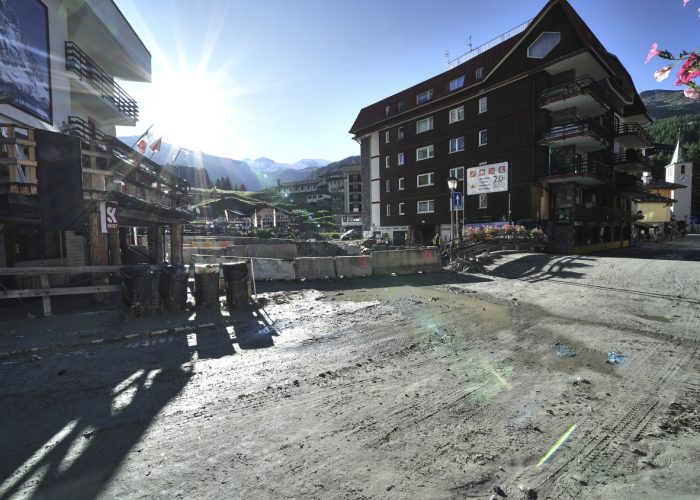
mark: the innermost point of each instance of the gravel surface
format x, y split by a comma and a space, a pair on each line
431, 386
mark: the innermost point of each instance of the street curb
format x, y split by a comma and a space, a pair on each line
33, 351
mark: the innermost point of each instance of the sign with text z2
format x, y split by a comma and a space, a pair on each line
485, 179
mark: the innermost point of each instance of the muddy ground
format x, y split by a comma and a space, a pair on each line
431, 386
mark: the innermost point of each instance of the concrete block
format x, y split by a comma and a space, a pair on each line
353, 266
408, 261
273, 269
237, 251
315, 268
273, 251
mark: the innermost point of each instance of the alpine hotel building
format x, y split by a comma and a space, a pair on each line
547, 99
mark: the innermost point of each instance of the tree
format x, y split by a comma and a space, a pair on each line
242, 187
689, 72
217, 184
226, 183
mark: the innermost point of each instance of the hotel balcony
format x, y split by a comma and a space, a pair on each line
95, 89
630, 184
587, 172
584, 94
632, 136
631, 162
586, 135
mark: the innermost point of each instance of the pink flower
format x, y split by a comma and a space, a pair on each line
691, 93
685, 2
653, 52
662, 73
690, 70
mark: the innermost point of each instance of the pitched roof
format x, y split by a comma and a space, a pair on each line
678, 156
374, 116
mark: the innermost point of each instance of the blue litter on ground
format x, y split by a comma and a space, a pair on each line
615, 358
563, 350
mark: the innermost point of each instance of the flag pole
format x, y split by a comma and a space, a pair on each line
142, 136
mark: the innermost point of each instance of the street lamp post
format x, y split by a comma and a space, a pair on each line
452, 184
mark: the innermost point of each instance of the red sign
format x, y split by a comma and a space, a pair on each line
109, 216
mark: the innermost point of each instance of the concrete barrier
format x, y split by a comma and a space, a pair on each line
237, 251
314, 268
273, 269
273, 251
353, 266
213, 259
407, 261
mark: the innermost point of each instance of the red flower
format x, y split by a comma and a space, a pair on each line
690, 70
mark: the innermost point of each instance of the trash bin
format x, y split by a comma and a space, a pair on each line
237, 282
206, 286
137, 289
173, 288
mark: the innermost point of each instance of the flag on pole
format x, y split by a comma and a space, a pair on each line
155, 147
141, 146
142, 137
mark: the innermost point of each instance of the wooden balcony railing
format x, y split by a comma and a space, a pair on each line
17, 160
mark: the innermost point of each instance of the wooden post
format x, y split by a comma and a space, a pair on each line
98, 242
176, 244
98, 253
115, 249
46, 300
155, 242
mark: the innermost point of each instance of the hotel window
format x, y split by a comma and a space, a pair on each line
426, 179
424, 97
401, 209
424, 153
386, 110
400, 133
424, 125
543, 45
399, 105
456, 144
426, 207
479, 73
457, 114
401, 158
388, 185
483, 201
387, 137
388, 209
483, 105
457, 173
483, 137
387, 162
457, 83
401, 183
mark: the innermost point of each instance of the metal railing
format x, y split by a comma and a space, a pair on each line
88, 70
588, 167
631, 156
79, 127
576, 129
490, 44
633, 129
584, 85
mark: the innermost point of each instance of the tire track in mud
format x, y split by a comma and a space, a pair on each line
609, 436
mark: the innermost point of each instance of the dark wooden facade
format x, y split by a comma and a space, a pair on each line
522, 121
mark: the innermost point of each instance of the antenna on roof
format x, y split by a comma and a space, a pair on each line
447, 57
469, 43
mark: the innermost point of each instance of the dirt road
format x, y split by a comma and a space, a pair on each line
429, 386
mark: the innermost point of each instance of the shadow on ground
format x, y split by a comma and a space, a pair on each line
70, 420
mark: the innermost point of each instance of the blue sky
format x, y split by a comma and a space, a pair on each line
286, 78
